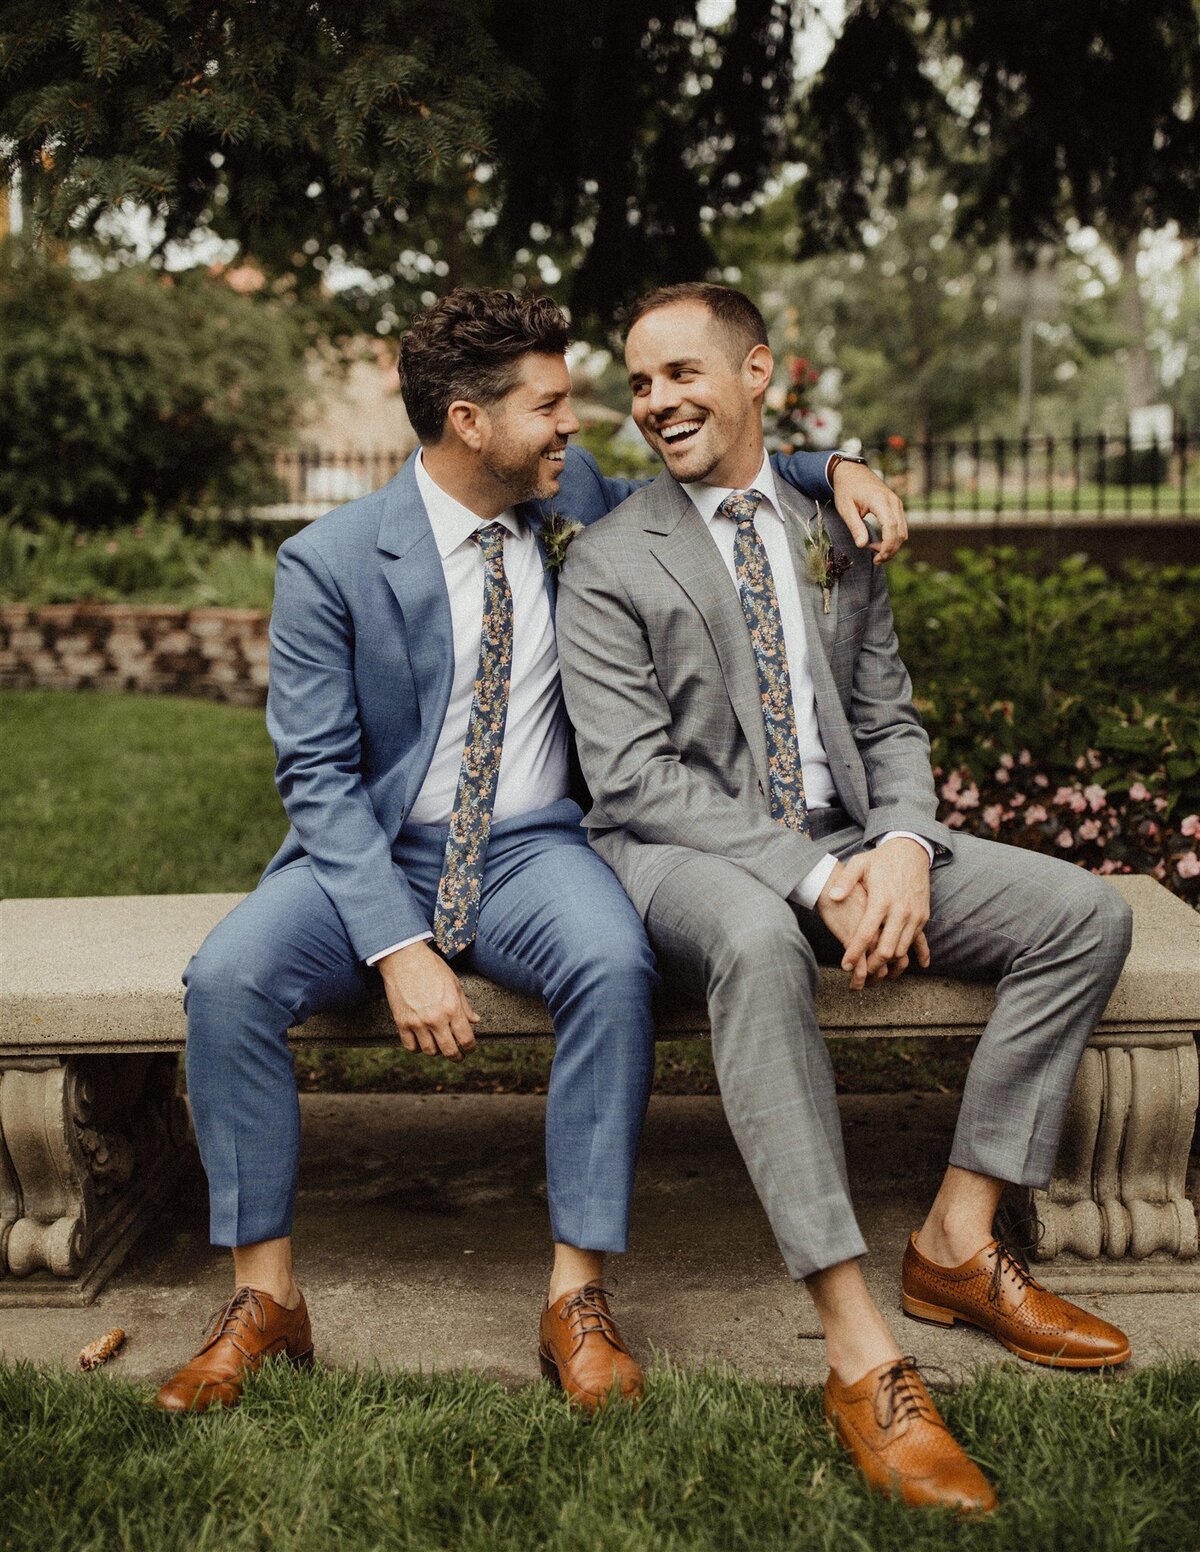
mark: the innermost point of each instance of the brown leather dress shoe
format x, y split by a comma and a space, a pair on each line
581, 1350
995, 1291
897, 1439
244, 1332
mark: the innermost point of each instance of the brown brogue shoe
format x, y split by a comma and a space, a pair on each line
997, 1292
896, 1437
581, 1350
250, 1328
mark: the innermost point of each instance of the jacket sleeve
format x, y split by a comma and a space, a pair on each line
313, 720
806, 471
623, 725
891, 741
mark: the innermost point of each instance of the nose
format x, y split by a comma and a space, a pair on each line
568, 421
663, 396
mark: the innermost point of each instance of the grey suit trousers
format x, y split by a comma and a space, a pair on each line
1053, 936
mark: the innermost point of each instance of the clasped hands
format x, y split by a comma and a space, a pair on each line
877, 905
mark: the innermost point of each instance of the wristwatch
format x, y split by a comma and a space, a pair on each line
835, 459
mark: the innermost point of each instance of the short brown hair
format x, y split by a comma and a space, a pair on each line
738, 318
469, 345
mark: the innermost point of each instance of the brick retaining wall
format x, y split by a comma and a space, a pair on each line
219, 654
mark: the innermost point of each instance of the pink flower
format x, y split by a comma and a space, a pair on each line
1096, 796
1094, 759
1089, 830
1025, 758
1077, 802
1017, 799
1001, 775
1065, 839
1190, 826
954, 821
1188, 866
952, 786
1006, 760
1080, 764
1138, 792
111, 547
1041, 781
1160, 805
991, 816
1159, 869
1107, 866
1062, 795
1150, 829
1035, 814
969, 797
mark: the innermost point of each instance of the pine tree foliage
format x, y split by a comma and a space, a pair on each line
1035, 115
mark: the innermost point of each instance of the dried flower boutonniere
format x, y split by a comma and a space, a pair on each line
557, 532
825, 564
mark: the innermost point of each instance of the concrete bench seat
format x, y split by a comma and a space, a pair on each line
92, 1129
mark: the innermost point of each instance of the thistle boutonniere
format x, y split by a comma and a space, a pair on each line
825, 564
557, 532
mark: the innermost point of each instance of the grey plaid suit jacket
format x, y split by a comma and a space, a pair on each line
661, 686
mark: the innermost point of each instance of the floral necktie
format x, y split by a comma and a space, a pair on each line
461, 884
760, 605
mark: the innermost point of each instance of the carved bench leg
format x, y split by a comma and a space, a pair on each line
1119, 1186
88, 1148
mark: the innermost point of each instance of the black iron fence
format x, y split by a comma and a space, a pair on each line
1085, 475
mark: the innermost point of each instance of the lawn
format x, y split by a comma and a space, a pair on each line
712, 1461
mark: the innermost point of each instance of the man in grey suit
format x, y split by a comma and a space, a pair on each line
762, 788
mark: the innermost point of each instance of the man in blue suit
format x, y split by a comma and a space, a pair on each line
412, 643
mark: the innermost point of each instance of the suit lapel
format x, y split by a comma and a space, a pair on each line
685, 548
413, 569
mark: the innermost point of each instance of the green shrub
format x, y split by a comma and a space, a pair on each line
138, 391
157, 561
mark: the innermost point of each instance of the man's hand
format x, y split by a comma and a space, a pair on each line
859, 494
842, 912
895, 877
428, 1004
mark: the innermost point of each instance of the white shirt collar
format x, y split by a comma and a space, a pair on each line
452, 523
707, 498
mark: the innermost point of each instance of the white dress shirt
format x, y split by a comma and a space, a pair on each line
533, 761
819, 790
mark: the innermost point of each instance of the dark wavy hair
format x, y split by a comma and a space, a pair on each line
469, 346
740, 321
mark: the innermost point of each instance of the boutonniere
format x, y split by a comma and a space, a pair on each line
825, 564
557, 532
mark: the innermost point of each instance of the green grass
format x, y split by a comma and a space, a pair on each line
362, 1460
129, 794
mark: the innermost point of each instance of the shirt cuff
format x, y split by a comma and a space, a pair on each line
907, 835
421, 937
808, 891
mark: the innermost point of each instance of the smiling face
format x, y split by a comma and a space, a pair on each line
522, 437
697, 406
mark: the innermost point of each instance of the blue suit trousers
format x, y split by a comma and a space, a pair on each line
553, 922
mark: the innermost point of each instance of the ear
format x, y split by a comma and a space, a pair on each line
466, 420
758, 370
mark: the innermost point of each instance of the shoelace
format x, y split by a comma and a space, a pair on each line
897, 1399
244, 1304
588, 1315
1005, 1259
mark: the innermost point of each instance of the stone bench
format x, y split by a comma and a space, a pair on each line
92, 1129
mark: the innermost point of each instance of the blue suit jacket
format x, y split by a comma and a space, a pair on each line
361, 666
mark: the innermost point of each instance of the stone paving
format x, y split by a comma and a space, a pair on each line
421, 1244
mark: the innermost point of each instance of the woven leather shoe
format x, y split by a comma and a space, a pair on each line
897, 1439
239, 1337
995, 1291
581, 1350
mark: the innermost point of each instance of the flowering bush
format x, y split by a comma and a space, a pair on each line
1117, 825
796, 423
